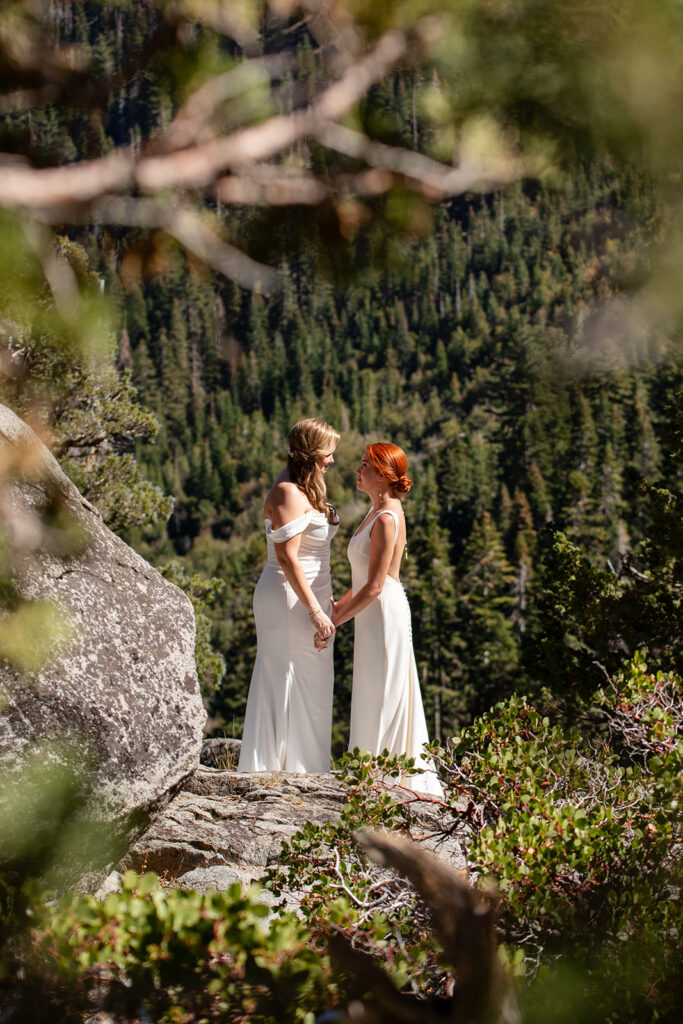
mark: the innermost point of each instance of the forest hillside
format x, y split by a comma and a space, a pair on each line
491, 336
452, 226
495, 352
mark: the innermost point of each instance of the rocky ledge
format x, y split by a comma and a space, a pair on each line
226, 827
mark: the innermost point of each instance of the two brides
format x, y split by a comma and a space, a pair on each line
289, 708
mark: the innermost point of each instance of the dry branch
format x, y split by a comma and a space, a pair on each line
197, 165
436, 179
463, 924
195, 115
194, 232
45, 188
193, 154
274, 189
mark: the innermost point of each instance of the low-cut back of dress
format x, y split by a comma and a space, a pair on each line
288, 722
386, 704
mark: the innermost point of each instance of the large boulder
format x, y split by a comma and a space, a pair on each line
125, 690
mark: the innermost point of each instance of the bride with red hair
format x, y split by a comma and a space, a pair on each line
386, 705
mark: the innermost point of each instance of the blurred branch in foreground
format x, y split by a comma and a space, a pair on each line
463, 924
264, 106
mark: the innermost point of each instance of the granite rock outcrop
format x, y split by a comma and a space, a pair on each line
226, 826
124, 692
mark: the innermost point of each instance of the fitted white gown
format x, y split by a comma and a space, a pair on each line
386, 705
288, 721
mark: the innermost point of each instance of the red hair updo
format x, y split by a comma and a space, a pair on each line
390, 462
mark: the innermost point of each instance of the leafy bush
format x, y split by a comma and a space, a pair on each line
583, 835
579, 830
183, 956
323, 869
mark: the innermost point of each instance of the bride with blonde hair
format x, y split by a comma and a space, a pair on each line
288, 721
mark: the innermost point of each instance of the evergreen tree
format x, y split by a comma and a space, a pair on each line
484, 610
430, 584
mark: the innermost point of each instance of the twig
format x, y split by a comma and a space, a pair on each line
342, 884
192, 231
435, 178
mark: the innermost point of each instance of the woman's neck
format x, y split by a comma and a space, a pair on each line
380, 500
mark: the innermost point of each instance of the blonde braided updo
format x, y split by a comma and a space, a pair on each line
307, 441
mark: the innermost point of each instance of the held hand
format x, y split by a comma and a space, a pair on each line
322, 624
319, 643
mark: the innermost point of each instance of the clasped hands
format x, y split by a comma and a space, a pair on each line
325, 628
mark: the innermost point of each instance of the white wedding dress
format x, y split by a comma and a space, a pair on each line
386, 705
288, 721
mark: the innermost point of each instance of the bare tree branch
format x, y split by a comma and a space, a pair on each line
272, 185
190, 154
192, 231
276, 189
196, 113
197, 166
62, 187
436, 178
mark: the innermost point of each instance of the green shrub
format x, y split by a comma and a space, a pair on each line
579, 830
582, 835
336, 886
185, 956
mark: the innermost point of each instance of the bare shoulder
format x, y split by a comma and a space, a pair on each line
387, 515
383, 529
285, 502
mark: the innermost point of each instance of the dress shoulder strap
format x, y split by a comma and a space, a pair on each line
387, 512
289, 530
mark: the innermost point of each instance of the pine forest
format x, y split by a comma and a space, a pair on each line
492, 334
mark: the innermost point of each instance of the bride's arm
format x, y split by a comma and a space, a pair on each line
342, 602
382, 541
288, 560
286, 503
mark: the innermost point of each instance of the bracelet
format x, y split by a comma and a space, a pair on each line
317, 611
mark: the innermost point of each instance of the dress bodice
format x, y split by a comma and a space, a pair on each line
358, 551
314, 549
386, 705
288, 721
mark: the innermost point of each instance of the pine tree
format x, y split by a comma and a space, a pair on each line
485, 605
429, 582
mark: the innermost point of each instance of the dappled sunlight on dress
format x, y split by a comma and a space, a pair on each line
386, 704
288, 722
